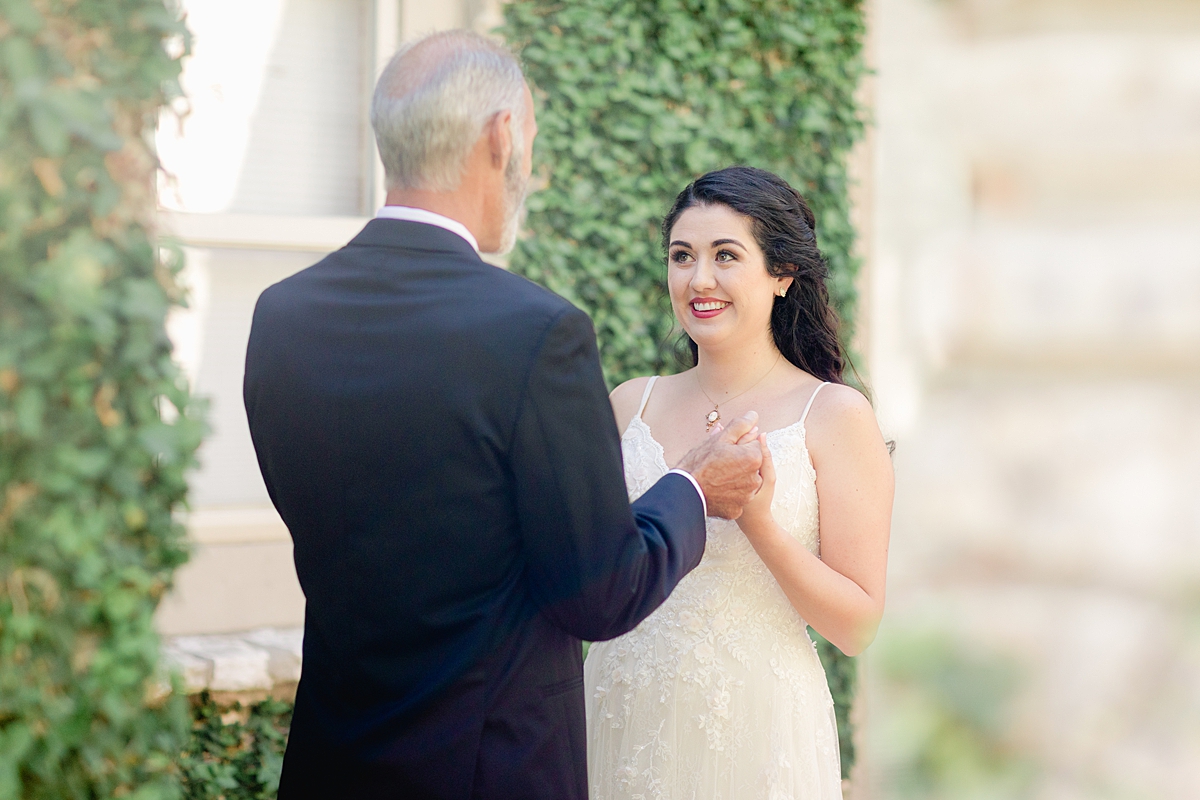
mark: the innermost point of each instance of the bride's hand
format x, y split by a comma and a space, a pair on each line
756, 515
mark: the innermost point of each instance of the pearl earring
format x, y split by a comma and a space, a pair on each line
783, 292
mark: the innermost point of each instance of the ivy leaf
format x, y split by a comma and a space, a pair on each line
22, 15
144, 299
29, 410
23, 63
49, 129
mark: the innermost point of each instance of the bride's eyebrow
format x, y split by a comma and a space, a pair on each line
720, 242
681, 244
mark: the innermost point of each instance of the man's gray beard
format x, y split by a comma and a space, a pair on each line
515, 187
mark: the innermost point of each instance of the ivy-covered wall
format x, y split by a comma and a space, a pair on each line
96, 427
639, 97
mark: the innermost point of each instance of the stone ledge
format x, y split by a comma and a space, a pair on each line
257, 660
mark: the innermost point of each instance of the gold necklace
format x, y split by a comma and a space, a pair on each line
714, 416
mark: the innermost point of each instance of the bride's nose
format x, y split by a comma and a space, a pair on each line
704, 277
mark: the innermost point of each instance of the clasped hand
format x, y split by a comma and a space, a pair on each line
730, 468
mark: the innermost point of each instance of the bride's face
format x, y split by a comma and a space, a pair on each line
717, 276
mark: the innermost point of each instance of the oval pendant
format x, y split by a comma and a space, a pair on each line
712, 418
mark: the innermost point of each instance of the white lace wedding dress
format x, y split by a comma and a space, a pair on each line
719, 693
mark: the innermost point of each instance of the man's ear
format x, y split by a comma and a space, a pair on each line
500, 138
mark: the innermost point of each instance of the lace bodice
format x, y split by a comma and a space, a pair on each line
795, 502
722, 682
731, 582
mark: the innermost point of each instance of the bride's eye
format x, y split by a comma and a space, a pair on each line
680, 256
724, 256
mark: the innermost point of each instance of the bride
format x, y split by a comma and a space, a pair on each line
719, 693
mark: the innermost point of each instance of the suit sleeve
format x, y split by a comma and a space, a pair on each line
594, 565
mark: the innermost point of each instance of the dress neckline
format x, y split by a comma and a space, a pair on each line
662, 454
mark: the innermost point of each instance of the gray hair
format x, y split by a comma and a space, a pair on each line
432, 102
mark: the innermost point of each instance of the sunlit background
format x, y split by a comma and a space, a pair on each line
1033, 231
1029, 210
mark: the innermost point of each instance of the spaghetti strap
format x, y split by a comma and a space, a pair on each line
803, 416
646, 396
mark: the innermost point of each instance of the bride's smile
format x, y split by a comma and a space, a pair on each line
707, 308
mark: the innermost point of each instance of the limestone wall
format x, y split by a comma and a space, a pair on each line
1034, 336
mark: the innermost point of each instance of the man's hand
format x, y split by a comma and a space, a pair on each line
726, 465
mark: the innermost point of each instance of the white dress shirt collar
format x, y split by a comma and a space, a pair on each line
409, 214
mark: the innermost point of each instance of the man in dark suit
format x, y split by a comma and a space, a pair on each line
435, 433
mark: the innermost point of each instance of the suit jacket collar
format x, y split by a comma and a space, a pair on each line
406, 235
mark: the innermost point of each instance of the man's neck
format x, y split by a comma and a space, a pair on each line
457, 205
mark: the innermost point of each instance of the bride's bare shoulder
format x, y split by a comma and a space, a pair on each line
842, 418
838, 405
625, 400
839, 398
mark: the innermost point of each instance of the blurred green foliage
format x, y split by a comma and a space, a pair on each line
945, 733
235, 753
640, 97
96, 426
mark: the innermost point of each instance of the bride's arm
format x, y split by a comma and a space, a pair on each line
840, 594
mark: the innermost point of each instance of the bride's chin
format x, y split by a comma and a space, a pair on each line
715, 333
708, 340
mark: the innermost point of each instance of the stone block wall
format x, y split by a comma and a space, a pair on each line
1035, 346
262, 660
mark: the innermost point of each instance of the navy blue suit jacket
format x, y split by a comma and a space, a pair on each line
436, 434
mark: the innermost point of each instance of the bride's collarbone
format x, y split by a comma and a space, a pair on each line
677, 417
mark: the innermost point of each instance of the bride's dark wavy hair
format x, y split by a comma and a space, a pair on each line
803, 323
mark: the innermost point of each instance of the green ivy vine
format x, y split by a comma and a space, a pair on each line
96, 427
235, 752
